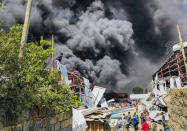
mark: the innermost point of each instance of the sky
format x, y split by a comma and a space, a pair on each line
116, 44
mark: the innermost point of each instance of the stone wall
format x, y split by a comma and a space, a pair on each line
177, 108
60, 122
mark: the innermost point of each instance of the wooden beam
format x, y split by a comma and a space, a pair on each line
25, 28
182, 46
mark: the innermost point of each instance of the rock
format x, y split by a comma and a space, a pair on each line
177, 108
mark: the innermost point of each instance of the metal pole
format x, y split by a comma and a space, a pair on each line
25, 28
182, 47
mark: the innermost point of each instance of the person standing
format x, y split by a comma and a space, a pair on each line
126, 123
148, 119
135, 122
133, 103
129, 117
120, 123
163, 121
142, 118
128, 120
145, 126
137, 108
137, 117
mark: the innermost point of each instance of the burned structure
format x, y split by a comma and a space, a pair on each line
172, 74
77, 84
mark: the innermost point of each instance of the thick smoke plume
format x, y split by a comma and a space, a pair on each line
92, 38
116, 44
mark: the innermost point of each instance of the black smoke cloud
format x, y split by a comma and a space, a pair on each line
116, 44
153, 22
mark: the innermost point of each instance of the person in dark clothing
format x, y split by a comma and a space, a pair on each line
142, 118
60, 57
163, 121
135, 122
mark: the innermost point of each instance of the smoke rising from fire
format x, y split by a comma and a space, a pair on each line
116, 44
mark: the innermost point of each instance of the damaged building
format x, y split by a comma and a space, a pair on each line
172, 74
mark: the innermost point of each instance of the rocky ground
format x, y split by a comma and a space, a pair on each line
177, 108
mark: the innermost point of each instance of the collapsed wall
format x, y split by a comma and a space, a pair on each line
177, 108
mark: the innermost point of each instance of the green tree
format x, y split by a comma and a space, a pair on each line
149, 90
137, 90
1, 4
25, 83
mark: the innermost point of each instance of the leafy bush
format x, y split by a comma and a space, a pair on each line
137, 90
25, 83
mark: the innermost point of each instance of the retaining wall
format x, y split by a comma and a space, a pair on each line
60, 122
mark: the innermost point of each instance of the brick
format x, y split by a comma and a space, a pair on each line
62, 124
49, 128
6, 129
59, 117
67, 123
70, 128
53, 120
70, 121
38, 125
45, 122
69, 114
57, 126
64, 116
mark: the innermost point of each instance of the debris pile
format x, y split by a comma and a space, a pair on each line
96, 112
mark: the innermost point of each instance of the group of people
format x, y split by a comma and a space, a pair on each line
127, 121
146, 122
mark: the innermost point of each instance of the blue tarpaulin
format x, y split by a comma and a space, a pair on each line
115, 116
64, 72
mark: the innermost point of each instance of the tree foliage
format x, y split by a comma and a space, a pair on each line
137, 90
25, 83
